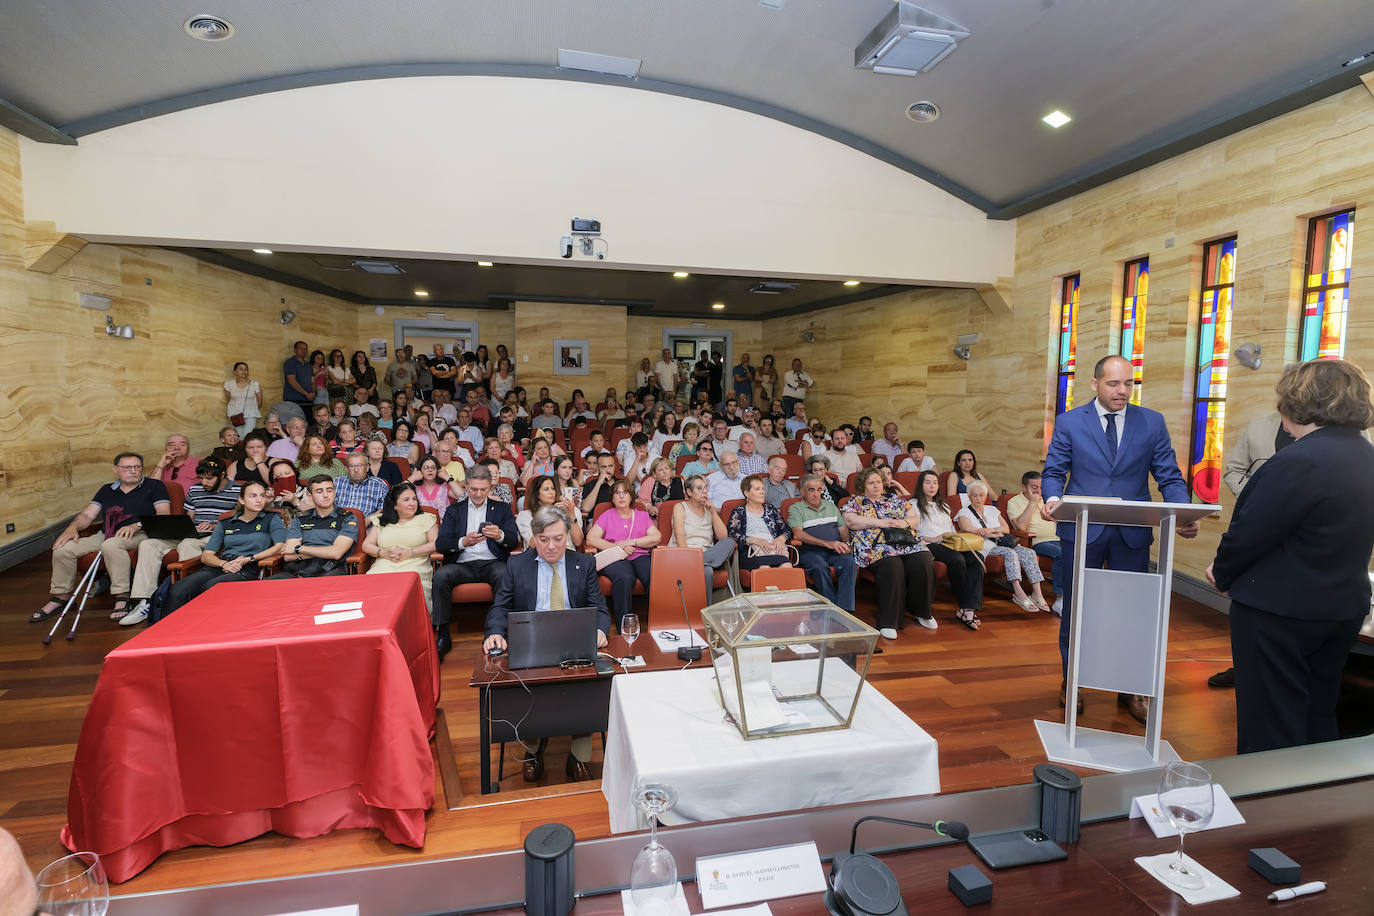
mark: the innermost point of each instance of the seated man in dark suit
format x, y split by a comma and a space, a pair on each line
549, 578
476, 536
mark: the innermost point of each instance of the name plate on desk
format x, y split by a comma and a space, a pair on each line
760, 874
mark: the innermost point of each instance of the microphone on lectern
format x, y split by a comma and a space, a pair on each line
689, 652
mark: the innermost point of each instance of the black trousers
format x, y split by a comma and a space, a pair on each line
623, 574
965, 574
311, 567
904, 582
201, 580
451, 575
1288, 677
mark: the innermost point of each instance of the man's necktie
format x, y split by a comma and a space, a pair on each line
1111, 436
556, 591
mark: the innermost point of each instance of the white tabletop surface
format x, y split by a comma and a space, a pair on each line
668, 726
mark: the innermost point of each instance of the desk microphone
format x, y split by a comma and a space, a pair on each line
689, 652
860, 885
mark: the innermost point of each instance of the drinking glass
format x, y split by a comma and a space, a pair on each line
74, 885
629, 628
731, 620
653, 877
1186, 798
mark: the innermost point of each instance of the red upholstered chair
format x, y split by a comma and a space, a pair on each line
785, 579
683, 461
795, 466
793, 447
944, 480
669, 565
721, 579
907, 479
402, 465
618, 435
850, 481
667, 447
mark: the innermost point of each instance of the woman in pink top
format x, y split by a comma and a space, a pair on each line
430, 490
624, 528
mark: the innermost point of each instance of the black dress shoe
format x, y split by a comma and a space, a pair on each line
1135, 704
576, 770
1225, 678
443, 641
534, 766
1063, 696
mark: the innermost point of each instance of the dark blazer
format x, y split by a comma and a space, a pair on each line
455, 525
1077, 464
1301, 533
517, 589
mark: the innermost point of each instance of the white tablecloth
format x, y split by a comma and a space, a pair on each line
668, 726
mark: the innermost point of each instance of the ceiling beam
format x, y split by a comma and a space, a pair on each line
31, 126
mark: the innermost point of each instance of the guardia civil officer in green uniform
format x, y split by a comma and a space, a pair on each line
234, 548
320, 538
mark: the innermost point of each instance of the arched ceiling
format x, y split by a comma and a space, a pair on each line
1142, 81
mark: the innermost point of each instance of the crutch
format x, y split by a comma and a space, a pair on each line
83, 589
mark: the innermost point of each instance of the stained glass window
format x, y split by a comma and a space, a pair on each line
1326, 293
1209, 395
1134, 289
1068, 345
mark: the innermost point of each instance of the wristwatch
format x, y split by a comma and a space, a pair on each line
298, 550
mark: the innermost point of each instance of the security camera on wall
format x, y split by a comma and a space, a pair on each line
565, 247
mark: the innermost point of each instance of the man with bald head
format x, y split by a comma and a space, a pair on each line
1110, 447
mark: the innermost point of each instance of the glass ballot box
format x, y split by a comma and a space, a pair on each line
787, 662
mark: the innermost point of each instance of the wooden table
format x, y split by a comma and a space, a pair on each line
559, 701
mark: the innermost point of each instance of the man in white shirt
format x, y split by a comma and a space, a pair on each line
725, 483
444, 408
890, 445
916, 459
795, 384
666, 370
290, 447
624, 452
466, 431
844, 458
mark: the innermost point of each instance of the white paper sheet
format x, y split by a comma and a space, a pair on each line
1224, 813
759, 874
1213, 888
669, 644
338, 616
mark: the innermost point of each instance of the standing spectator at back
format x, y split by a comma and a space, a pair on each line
795, 386
298, 378
743, 375
442, 370
402, 373
666, 370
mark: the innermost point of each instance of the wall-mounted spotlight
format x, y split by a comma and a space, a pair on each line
962, 351
287, 316
1250, 355
118, 330
808, 336
963, 345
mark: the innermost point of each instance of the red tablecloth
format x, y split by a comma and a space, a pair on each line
241, 714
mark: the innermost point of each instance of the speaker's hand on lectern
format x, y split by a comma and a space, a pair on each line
1188, 531
1047, 507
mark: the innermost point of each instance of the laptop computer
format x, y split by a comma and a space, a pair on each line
543, 639
170, 527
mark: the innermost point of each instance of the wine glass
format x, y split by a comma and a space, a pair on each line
731, 620
629, 628
653, 877
1187, 799
74, 885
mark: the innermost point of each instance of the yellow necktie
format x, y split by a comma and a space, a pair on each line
556, 591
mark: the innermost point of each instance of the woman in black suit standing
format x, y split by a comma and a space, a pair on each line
1295, 560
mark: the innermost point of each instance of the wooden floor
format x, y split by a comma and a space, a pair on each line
976, 693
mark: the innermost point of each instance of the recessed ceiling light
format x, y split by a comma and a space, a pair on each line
718, 305
851, 282
681, 274
422, 292
483, 263
262, 251
1056, 118
208, 28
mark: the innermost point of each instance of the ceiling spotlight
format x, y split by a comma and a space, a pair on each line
118, 330
1249, 355
962, 351
483, 263
717, 305
851, 282
262, 251
681, 274
1056, 118
287, 316
208, 28
422, 292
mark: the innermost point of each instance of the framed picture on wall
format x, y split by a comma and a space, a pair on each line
377, 349
571, 357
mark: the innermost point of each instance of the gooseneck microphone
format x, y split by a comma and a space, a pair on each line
689, 652
860, 885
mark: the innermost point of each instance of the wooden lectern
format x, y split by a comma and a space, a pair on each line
1119, 635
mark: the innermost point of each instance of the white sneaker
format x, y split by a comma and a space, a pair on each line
137, 615
927, 622
887, 633
1057, 609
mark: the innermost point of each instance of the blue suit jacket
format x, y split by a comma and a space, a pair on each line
517, 591
455, 525
1078, 465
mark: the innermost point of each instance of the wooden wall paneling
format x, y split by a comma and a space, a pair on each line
494, 326
539, 324
644, 337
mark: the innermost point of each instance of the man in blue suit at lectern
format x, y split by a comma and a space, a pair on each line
1110, 447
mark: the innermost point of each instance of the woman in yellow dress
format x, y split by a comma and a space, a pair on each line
401, 536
